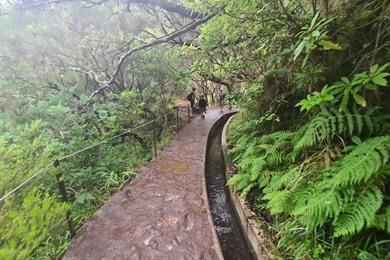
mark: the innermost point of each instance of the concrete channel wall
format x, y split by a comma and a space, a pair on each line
217, 124
251, 229
213, 128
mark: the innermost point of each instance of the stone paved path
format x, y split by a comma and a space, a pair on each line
163, 213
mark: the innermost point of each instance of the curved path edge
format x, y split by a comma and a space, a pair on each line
163, 213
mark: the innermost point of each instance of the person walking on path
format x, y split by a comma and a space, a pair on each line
221, 99
202, 106
191, 99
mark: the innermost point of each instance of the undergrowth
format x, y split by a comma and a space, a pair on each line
312, 143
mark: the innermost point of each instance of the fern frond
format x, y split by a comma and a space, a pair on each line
258, 165
368, 123
381, 125
382, 221
277, 201
239, 182
265, 179
359, 212
359, 122
240, 147
322, 127
315, 207
283, 179
329, 123
364, 161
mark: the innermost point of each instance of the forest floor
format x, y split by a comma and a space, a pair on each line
162, 213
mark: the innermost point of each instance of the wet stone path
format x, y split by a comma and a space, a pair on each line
163, 213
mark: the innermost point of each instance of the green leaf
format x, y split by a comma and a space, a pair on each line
345, 80
374, 68
316, 33
328, 45
313, 21
344, 101
356, 140
371, 86
328, 98
324, 90
336, 88
360, 100
305, 60
382, 68
380, 81
360, 78
383, 75
298, 50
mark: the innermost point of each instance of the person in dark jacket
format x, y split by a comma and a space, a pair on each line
221, 99
202, 106
191, 99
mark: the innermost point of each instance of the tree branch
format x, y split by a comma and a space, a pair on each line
214, 79
170, 7
288, 15
161, 40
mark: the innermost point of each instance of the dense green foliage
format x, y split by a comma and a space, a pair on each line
312, 144
52, 62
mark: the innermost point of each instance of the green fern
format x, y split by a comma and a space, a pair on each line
280, 190
315, 206
257, 161
239, 181
278, 201
364, 161
258, 165
336, 195
382, 221
329, 123
239, 149
282, 180
360, 211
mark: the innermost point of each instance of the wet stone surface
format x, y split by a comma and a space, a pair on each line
162, 213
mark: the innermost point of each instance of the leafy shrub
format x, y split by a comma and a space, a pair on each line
36, 228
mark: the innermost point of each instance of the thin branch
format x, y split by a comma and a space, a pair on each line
161, 40
288, 15
170, 7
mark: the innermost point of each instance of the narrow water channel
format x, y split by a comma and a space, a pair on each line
231, 238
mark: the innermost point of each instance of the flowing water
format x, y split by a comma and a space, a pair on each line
231, 238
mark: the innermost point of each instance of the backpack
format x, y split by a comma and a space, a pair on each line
189, 97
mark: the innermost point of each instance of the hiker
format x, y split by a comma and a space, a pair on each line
191, 98
221, 99
202, 106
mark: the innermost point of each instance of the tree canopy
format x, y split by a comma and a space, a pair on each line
310, 78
